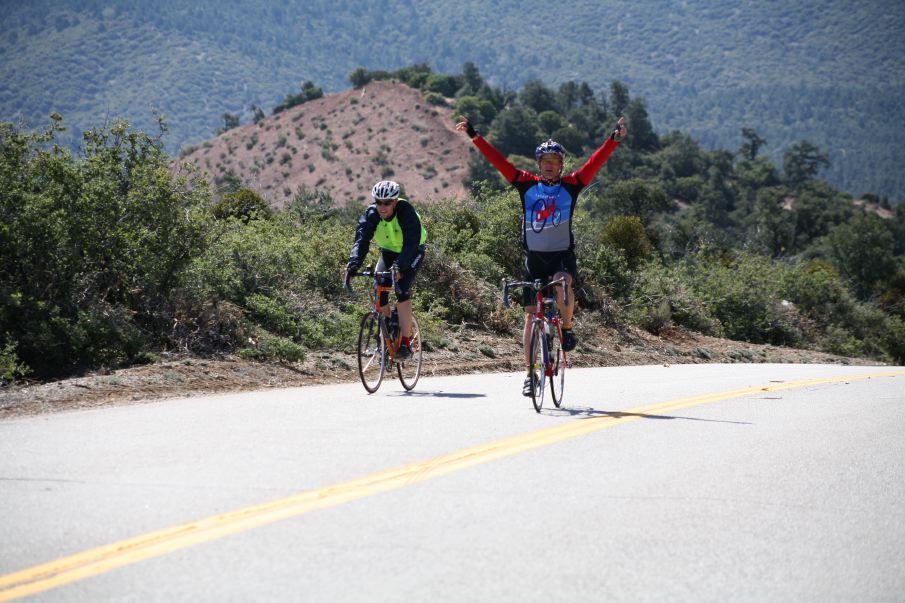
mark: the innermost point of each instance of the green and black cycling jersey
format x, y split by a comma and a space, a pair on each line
402, 234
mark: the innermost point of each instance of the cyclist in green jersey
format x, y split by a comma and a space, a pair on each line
395, 226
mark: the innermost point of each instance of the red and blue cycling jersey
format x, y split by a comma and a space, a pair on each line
547, 207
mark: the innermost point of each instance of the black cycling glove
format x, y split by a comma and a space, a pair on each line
469, 129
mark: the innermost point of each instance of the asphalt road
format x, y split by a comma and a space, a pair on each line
682, 483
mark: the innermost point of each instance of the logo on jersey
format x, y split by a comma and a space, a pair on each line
545, 212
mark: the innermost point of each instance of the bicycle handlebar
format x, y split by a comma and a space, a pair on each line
371, 273
536, 285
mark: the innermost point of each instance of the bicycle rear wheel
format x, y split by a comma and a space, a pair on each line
558, 366
536, 366
372, 353
410, 368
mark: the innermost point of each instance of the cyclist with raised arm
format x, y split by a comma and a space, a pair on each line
548, 203
395, 226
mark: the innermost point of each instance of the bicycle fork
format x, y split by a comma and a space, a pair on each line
550, 331
546, 365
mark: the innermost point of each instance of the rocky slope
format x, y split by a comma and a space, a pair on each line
342, 144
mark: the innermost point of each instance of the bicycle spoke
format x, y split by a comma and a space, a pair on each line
372, 357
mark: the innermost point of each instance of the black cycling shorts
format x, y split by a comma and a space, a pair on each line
404, 285
544, 265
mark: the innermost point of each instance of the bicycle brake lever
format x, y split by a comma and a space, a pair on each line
505, 294
393, 273
347, 284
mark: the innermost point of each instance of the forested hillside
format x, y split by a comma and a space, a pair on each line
830, 72
110, 256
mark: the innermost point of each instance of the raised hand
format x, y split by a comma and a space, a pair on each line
620, 130
465, 126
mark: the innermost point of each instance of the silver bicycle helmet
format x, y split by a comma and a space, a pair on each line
551, 147
385, 189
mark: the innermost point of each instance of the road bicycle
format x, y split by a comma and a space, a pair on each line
546, 357
379, 336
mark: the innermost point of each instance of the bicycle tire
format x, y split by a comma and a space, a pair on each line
558, 362
536, 366
372, 352
410, 369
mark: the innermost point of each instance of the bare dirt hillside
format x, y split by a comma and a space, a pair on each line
342, 144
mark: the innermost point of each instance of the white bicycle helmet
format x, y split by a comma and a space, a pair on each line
385, 189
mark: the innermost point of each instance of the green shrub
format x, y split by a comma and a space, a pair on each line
268, 347
272, 314
434, 98
633, 197
479, 111
664, 295
839, 340
243, 204
10, 366
94, 245
879, 335
626, 233
500, 234
893, 298
443, 85
815, 287
484, 233
600, 265
742, 292
452, 293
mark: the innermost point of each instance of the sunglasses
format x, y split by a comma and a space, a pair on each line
384, 202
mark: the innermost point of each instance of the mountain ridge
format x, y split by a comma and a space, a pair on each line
831, 72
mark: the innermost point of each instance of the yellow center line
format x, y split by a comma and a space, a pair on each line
125, 552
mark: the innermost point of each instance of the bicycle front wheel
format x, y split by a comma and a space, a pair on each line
410, 368
536, 366
558, 367
372, 352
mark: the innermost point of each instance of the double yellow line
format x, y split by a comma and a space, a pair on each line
105, 558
